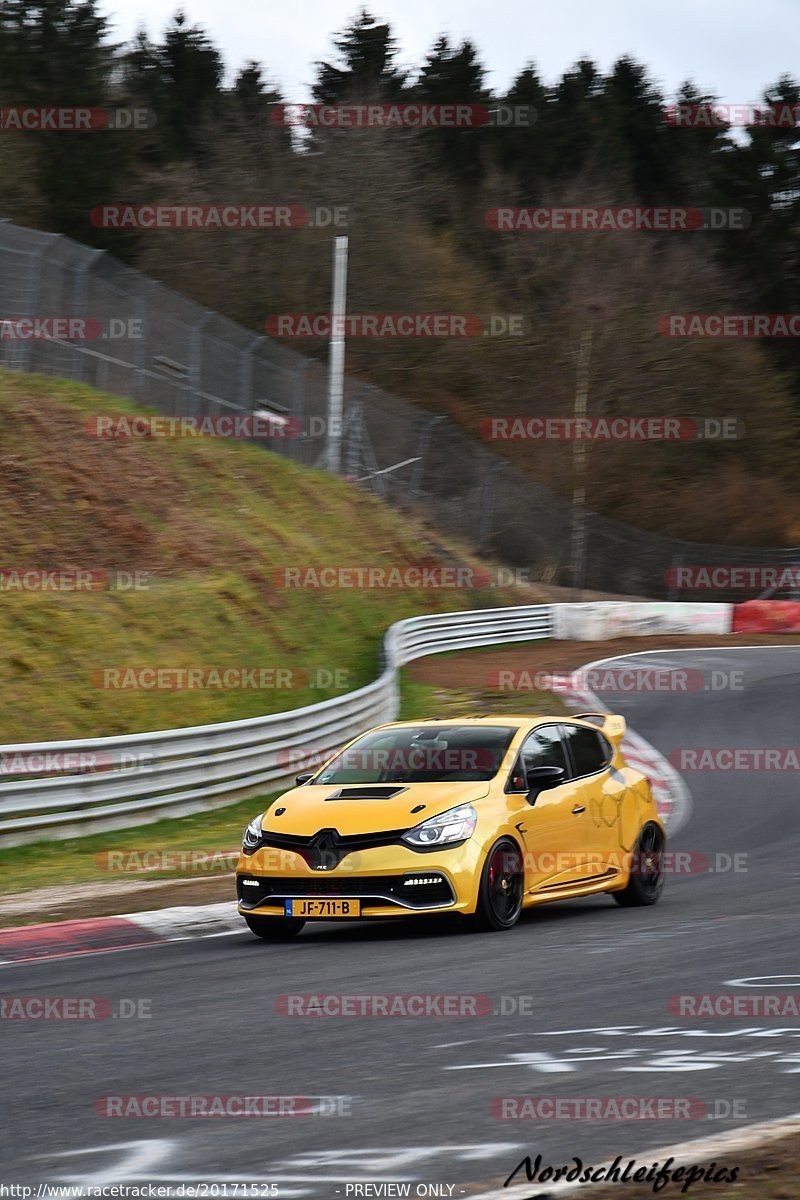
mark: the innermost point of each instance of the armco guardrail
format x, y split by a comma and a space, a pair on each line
180, 771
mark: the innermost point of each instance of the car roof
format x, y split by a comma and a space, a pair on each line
500, 719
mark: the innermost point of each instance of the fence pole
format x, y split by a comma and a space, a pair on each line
354, 425
487, 503
196, 381
299, 404
80, 300
246, 392
336, 359
26, 355
140, 368
580, 450
423, 446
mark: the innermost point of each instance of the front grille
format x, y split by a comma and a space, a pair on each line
326, 849
379, 889
358, 841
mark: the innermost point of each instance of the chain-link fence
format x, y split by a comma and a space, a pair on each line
133, 337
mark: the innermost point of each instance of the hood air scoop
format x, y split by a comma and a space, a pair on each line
367, 792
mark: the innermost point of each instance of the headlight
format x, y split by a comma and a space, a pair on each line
455, 825
252, 835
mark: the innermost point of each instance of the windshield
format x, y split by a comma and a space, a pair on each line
427, 754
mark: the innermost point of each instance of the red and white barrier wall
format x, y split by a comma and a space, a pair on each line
600, 620
766, 616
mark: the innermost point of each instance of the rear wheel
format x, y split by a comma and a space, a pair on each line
274, 929
647, 878
501, 887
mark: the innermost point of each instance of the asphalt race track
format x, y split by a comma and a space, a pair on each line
590, 983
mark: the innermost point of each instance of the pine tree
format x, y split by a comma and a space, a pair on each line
454, 75
366, 56
180, 78
526, 150
56, 54
761, 174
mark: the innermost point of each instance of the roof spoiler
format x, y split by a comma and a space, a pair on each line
611, 724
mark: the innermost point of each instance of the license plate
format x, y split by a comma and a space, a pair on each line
323, 908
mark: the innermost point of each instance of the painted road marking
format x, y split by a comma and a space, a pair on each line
147, 1162
645, 1059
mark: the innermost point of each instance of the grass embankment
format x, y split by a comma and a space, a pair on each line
208, 524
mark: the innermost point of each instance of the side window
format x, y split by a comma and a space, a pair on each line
589, 750
542, 748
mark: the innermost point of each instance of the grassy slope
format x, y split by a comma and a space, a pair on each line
210, 520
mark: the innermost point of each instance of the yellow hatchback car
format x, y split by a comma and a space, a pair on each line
478, 816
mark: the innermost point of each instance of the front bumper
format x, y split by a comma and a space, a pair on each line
389, 881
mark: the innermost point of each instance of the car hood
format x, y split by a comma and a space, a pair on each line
365, 808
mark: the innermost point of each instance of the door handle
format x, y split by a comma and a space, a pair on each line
579, 808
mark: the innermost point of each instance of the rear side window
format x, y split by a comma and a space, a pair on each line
590, 751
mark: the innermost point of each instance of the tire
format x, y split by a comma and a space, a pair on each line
646, 881
274, 929
501, 888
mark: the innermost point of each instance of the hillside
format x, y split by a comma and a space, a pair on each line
421, 207
208, 524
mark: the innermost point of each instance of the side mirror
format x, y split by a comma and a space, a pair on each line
304, 778
541, 779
